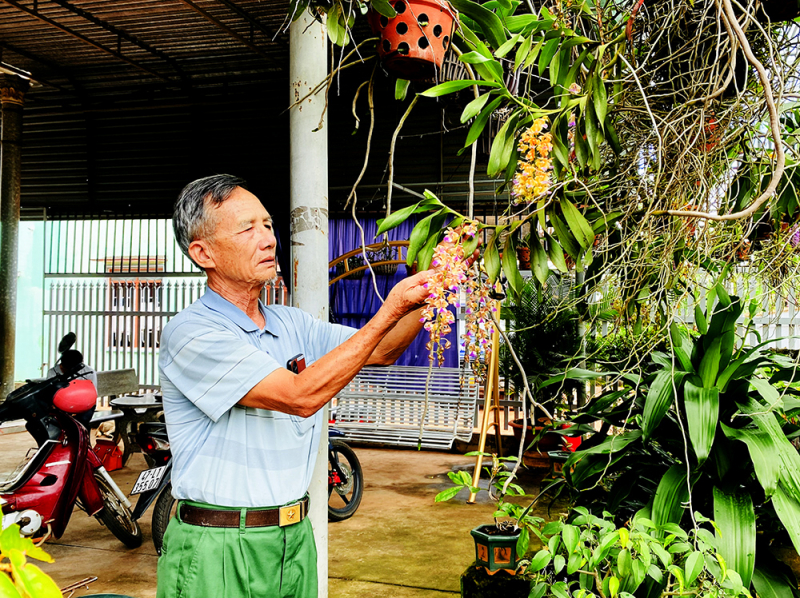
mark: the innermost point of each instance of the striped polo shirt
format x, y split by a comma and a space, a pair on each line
224, 454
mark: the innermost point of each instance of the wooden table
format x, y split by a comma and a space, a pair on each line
136, 409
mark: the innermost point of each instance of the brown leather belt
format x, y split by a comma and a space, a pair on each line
282, 516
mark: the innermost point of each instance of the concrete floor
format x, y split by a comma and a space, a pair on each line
400, 543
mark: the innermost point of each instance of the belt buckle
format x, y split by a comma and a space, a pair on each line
290, 514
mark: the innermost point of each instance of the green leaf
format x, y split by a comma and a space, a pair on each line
579, 226
709, 365
384, 8
613, 586
592, 133
600, 99
489, 22
419, 237
581, 149
558, 563
611, 135
671, 493
574, 563
760, 447
699, 317
396, 218
555, 253
523, 541
548, 51
694, 565
771, 584
480, 121
502, 145
788, 510
472, 109
510, 268
36, 582
533, 54
522, 52
682, 347
560, 590
702, 414
445, 495
540, 588
570, 537
425, 254
564, 236
453, 86
507, 47
540, 561
491, 257
659, 399
401, 89
624, 563
539, 264
736, 524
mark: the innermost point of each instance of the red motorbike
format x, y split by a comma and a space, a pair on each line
41, 493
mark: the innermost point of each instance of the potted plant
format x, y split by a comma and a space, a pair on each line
588, 555
383, 254
414, 41
353, 262
500, 545
713, 409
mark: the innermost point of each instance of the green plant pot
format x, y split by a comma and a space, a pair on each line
496, 549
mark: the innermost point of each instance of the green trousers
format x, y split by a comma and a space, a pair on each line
252, 562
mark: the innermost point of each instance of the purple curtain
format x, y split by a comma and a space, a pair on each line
353, 301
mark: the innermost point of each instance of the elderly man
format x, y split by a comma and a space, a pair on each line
244, 429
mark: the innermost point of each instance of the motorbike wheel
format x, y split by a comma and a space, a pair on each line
163, 511
344, 498
117, 517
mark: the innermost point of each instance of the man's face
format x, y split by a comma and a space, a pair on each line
242, 245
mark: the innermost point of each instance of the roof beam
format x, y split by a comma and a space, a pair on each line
57, 68
227, 30
85, 39
121, 33
271, 35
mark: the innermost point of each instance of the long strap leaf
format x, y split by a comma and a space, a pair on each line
736, 522
702, 414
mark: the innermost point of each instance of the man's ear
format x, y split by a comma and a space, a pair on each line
201, 254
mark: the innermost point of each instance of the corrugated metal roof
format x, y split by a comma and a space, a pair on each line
100, 47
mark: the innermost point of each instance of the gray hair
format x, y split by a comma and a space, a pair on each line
191, 220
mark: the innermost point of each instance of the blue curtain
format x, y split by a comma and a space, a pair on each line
353, 301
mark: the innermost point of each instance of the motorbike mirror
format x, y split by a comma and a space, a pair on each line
67, 342
71, 361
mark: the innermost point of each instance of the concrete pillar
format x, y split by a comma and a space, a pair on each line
308, 159
12, 93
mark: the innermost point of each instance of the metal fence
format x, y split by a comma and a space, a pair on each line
116, 283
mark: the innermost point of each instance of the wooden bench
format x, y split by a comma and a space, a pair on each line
384, 405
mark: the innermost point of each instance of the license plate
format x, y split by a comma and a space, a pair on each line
148, 480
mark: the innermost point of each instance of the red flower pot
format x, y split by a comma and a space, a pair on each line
413, 44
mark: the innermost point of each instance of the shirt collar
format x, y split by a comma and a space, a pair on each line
216, 302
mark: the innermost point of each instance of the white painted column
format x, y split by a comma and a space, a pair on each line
308, 163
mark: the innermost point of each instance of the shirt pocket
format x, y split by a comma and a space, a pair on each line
303, 424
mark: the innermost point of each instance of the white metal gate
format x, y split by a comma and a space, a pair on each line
116, 283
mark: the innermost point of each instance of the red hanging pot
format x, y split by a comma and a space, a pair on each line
413, 44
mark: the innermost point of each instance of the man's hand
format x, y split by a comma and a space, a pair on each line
407, 295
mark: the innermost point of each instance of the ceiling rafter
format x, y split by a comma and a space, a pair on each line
57, 68
271, 35
121, 33
85, 39
227, 30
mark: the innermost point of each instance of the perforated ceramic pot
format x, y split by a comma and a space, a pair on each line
414, 43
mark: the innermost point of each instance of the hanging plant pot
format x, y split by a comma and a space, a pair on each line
413, 44
496, 548
524, 257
